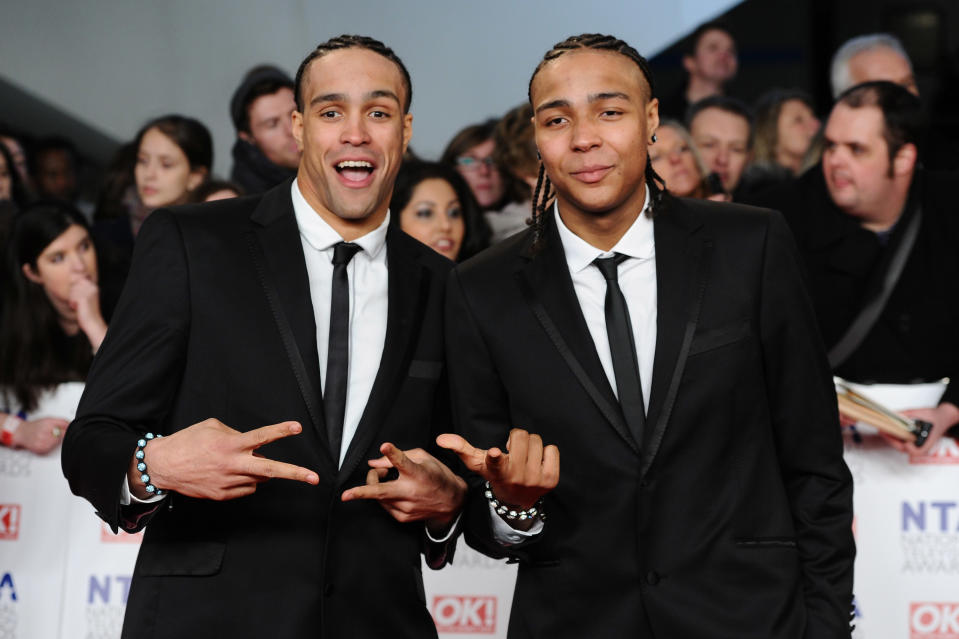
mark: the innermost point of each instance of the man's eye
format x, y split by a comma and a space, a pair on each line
379, 115
555, 121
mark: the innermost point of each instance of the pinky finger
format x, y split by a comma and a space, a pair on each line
550, 466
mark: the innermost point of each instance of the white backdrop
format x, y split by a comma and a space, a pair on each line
114, 64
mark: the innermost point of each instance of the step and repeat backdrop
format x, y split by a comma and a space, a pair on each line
64, 574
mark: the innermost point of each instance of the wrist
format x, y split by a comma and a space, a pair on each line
516, 516
8, 431
141, 477
949, 413
441, 522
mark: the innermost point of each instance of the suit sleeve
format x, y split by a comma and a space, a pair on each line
480, 411
806, 428
136, 373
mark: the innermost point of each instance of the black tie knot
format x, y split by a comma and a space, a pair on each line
343, 252
609, 266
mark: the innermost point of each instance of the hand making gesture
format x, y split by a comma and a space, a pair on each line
210, 460
518, 477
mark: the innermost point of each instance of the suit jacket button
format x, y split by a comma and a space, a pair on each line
327, 590
652, 577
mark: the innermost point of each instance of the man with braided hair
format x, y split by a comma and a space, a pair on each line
279, 343
668, 348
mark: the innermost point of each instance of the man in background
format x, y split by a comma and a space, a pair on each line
265, 152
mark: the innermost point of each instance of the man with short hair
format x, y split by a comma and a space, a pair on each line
869, 201
305, 310
721, 127
874, 56
710, 62
265, 152
667, 348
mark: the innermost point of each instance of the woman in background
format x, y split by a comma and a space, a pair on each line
471, 153
783, 129
50, 319
433, 203
675, 159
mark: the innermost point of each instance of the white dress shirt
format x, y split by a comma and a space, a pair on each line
637, 280
369, 284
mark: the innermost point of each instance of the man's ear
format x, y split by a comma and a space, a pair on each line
407, 130
246, 137
30, 274
297, 128
904, 163
689, 63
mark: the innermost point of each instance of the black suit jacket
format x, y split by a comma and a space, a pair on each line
915, 338
197, 335
733, 517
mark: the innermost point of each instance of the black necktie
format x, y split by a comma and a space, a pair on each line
622, 347
338, 354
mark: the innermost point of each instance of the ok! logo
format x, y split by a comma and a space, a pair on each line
934, 620
465, 614
9, 521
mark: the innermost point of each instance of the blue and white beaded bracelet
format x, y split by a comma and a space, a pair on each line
142, 465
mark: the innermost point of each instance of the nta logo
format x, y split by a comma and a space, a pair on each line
946, 451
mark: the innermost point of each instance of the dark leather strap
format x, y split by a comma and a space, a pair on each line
870, 313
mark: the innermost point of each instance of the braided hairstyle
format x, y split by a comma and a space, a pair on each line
348, 42
543, 194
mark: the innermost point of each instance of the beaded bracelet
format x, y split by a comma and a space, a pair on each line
512, 514
142, 465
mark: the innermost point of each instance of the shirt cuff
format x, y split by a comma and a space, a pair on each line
448, 534
506, 535
127, 497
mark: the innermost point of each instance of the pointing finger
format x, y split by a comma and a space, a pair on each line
474, 458
262, 469
398, 458
262, 436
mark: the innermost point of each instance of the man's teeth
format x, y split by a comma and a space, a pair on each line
354, 164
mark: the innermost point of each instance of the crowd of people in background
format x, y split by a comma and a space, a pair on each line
66, 257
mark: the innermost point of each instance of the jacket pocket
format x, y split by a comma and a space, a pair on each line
713, 338
187, 558
766, 542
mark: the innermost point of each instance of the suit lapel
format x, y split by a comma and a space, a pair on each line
680, 283
546, 282
407, 288
278, 253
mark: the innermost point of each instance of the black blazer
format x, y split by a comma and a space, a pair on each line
196, 335
733, 518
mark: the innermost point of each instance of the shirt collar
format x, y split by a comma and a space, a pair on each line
321, 236
636, 242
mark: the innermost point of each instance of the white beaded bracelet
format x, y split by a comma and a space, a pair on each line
514, 514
